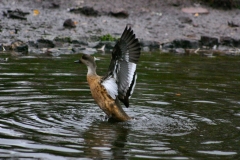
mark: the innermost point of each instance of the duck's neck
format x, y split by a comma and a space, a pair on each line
91, 71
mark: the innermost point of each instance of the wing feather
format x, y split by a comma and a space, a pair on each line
122, 67
111, 87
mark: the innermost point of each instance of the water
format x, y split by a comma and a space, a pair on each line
184, 107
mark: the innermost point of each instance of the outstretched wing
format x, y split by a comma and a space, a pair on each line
123, 64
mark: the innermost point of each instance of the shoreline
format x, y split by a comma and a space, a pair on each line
158, 25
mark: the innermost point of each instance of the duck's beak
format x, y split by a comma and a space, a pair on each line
77, 61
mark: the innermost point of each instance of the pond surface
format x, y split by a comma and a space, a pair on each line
185, 107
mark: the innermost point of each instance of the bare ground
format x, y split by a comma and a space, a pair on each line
152, 20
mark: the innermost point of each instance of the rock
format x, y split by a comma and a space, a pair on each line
79, 40
89, 51
145, 49
119, 13
195, 25
16, 14
232, 24
209, 41
175, 3
150, 44
157, 13
180, 51
45, 43
32, 44
54, 5
93, 44
49, 36
232, 53
51, 52
19, 46
35, 51
185, 19
78, 49
166, 46
181, 26
224, 48
69, 23
236, 42
22, 48
88, 11
186, 43
229, 41
167, 50
181, 43
67, 50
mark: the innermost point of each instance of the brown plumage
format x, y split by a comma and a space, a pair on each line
120, 80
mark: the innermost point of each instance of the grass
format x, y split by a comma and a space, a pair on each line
108, 37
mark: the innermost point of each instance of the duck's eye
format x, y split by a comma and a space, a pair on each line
84, 57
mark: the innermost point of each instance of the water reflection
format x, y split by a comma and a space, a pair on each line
107, 140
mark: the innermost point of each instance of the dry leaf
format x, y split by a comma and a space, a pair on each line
36, 12
75, 22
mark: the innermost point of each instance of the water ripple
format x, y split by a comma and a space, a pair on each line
223, 153
47, 112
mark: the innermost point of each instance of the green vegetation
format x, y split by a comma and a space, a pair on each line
108, 37
224, 4
63, 39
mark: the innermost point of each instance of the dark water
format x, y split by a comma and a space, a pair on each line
185, 107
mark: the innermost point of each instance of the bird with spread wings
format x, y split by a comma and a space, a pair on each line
119, 82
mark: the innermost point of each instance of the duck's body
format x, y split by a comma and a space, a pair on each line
120, 80
110, 106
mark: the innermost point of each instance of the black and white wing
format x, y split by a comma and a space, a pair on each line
122, 67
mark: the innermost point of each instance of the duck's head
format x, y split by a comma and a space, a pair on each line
89, 61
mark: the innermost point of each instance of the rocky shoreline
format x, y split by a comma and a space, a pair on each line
75, 26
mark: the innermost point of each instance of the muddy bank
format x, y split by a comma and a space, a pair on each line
158, 25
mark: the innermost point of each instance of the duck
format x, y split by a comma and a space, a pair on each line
119, 82
3, 60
